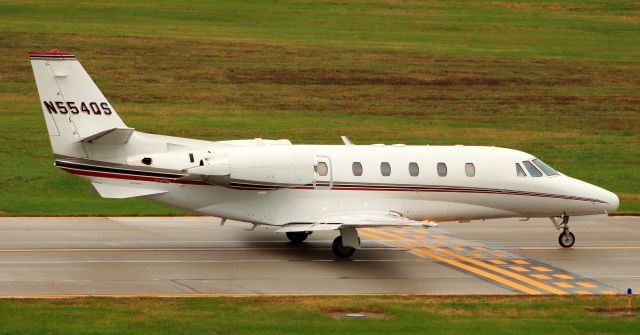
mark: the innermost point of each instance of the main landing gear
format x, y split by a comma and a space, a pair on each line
566, 238
346, 244
340, 250
343, 246
297, 236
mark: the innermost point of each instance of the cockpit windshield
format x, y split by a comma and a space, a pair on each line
533, 172
545, 168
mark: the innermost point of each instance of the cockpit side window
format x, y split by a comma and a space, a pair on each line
545, 168
533, 172
520, 171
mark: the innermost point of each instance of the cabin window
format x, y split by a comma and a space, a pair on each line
322, 169
147, 161
442, 169
520, 171
385, 169
356, 167
414, 169
191, 159
533, 172
545, 168
470, 169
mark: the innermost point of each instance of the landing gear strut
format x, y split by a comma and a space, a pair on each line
347, 243
566, 238
297, 236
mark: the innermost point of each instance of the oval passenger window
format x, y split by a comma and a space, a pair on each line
385, 169
414, 169
356, 167
470, 169
322, 169
442, 169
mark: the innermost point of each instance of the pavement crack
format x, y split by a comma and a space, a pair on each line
189, 288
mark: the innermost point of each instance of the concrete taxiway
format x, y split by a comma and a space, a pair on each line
195, 255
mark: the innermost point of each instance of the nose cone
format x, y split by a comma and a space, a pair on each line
611, 199
604, 201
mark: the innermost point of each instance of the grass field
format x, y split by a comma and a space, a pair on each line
557, 79
316, 315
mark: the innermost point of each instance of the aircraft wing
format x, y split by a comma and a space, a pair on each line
355, 220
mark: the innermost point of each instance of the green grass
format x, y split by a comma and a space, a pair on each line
557, 79
312, 315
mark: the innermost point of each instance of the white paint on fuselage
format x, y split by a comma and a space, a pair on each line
494, 169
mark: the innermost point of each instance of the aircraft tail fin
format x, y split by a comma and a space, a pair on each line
74, 108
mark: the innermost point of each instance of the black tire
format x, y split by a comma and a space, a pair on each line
340, 250
566, 239
297, 236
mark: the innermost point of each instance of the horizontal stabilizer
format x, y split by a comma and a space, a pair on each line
122, 192
111, 136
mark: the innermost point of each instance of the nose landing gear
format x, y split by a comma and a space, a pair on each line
566, 238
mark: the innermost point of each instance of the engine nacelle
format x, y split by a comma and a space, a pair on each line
282, 166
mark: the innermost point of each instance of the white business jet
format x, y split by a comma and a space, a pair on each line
299, 188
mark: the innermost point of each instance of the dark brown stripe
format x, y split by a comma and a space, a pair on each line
145, 175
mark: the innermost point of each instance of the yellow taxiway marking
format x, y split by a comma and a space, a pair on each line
585, 284
452, 262
541, 269
475, 254
475, 262
583, 248
440, 236
479, 248
608, 292
497, 261
458, 248
540, 276
421, 231
499, 254
583, 292
563, 276
519, 269
418, 237
563, 284
520, 261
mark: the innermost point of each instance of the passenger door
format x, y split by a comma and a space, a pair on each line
323, 173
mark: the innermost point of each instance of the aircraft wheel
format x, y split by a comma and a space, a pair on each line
566, 239
297, 236
340, 250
